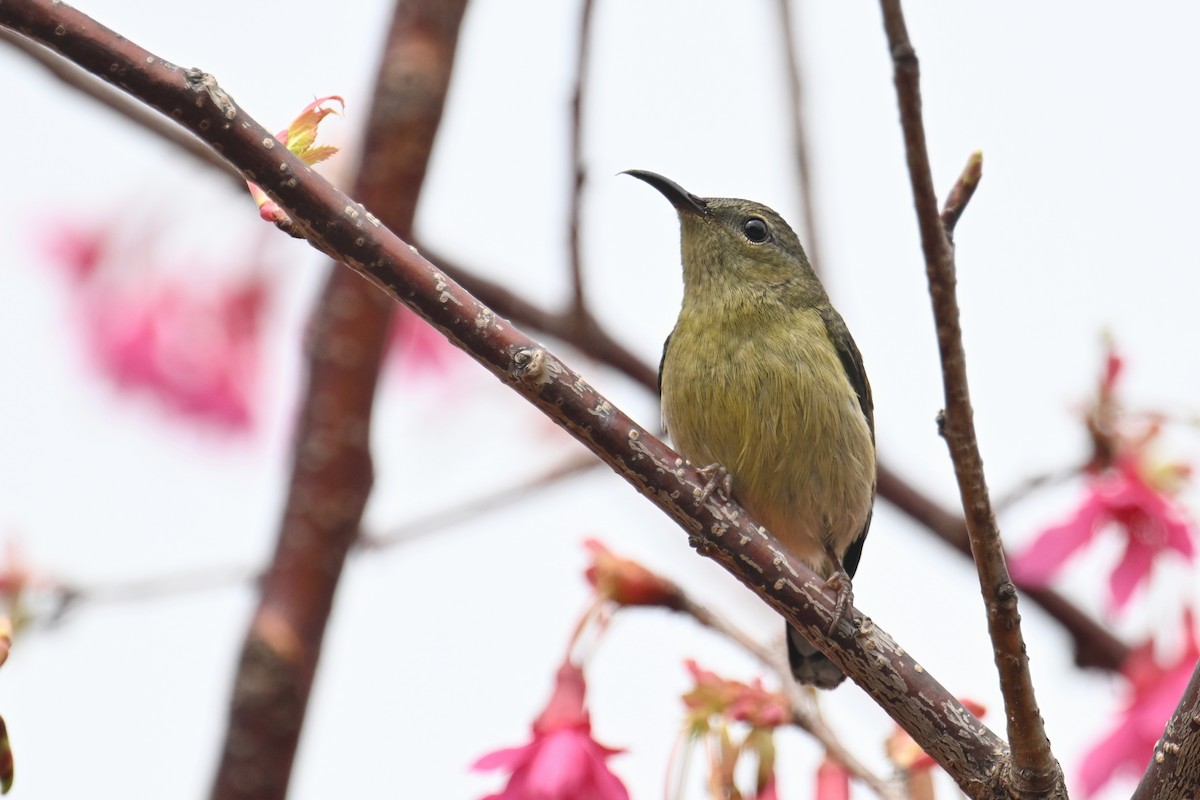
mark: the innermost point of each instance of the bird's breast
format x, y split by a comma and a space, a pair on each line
772, 403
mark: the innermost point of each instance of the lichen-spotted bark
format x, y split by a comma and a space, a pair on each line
331, 471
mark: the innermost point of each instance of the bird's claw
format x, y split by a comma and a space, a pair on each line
840, 583
718, 478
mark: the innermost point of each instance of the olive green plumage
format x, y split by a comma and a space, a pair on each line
761, 376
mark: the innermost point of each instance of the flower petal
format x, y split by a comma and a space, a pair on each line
1133, 568
510, 758
1041, 560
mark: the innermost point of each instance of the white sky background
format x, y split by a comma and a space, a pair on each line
1084, 221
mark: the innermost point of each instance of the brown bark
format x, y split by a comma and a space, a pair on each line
331, 471
1033, 771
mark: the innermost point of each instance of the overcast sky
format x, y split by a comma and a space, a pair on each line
1084, 223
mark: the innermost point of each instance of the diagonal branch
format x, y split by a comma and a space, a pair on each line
1095, 646
115, 100
718, 529
332, 470
1033, 770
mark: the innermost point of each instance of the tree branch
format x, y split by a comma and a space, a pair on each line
575, 327
1174, 771
578, 171
795, 83
1095, 646
137, 113
332, 470
718, 529
1033, 771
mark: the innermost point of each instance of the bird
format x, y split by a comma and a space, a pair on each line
763, 389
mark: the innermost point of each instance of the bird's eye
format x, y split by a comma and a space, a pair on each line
755, 230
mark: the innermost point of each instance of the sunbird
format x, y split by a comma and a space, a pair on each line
764, 390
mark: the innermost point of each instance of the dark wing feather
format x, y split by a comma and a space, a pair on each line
851, 360
661, 363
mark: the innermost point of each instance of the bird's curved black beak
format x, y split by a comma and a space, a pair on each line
681, 198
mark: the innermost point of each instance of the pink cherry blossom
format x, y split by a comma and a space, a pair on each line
715, 707
1154, 691
1121, 498
563, 762
78, 248
196, 351
833, 781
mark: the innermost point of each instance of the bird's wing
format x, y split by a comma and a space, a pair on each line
662, 361
851, 359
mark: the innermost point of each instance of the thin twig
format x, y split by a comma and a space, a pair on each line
961, 194
1033, 770
1094, 646
462, 512
577, 328
803, 712
69, 596
1031, 484
72, 596
578, 171
795, 82
717, 528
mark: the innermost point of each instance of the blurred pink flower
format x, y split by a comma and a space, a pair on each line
1154, 692
738, 701
1126, 498
833, 781
626, 582
198, 352
563, 762
419, 348
714, 705
78, 249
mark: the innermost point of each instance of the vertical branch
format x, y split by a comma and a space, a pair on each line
331, 472
795, 81
1033, 770
578, 171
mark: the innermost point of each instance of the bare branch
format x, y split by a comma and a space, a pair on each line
718, 529
462, 512
117, 101
1094, 646
577, 328
578, 171
1174, 771
961, 194
1033, 770
332, 470
795, 82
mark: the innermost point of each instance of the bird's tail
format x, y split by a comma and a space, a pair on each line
809, 665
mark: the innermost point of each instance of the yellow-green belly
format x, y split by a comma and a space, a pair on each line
778, 412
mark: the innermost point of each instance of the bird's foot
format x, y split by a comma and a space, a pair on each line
839, 581
718, 478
